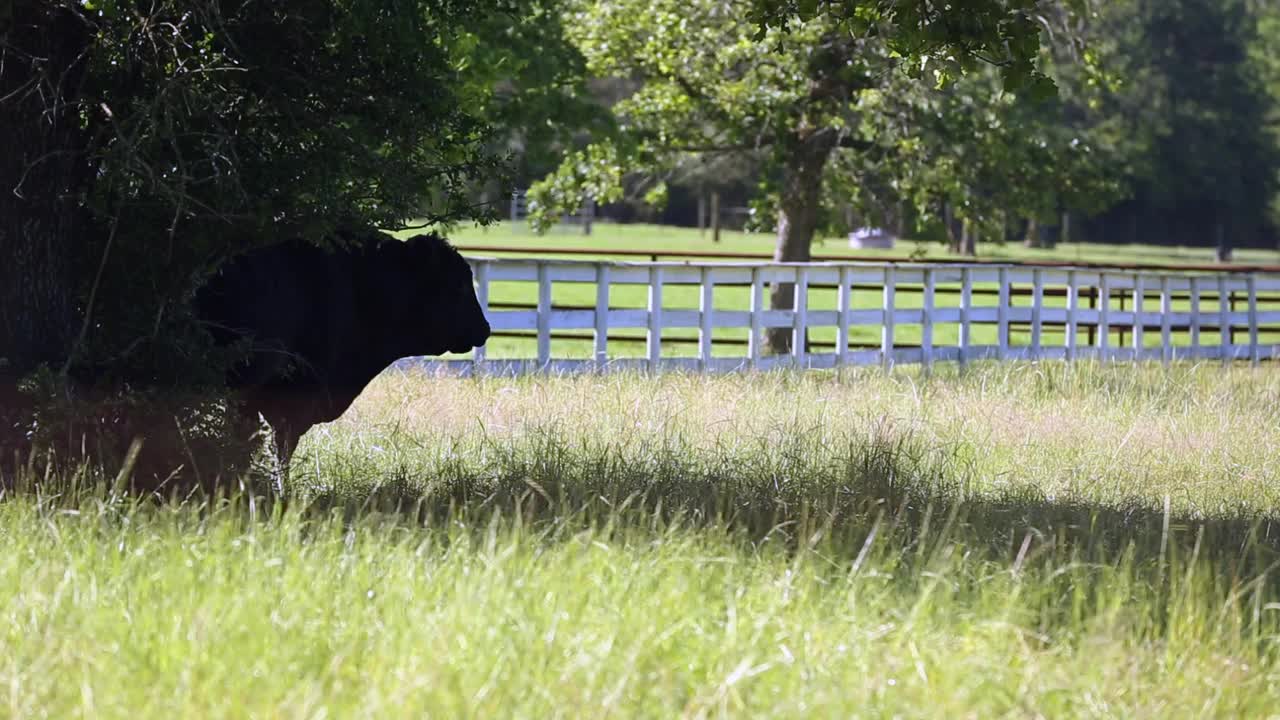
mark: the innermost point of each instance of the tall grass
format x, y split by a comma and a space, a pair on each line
1014, 540
1104, 437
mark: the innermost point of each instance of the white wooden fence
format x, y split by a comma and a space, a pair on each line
954, 313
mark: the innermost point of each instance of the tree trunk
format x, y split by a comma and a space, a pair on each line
715, 217
42, 179
1032, 237
970, 240
1224, 245
588, 215
798, 210
702, 215
1010, 228
953, 228
1048, 236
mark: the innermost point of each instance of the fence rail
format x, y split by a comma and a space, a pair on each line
867, 313
716, 255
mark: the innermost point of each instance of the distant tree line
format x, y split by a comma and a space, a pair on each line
1195, 116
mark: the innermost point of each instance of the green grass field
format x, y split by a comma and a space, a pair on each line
607, 236
1015, 541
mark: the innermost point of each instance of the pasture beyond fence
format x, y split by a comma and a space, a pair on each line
715, 314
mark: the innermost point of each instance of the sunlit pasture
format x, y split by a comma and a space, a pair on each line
1026, 540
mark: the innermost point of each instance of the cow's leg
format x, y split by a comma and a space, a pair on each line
283, 441
286, 441
262, 407
292, 413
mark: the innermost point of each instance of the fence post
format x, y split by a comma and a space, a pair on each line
800, 318
926, 321
1092, 337
1037, 306
1073, 304
1166, 321
602, 316
1002, 315
706, 306
1254, 351
843, 296
886, 328
1224, 322
1104, 317
757, 307
653, 339
1120, 329
1232, 296
966, 305
482, 297
544, 315
1139, 292
1196, 321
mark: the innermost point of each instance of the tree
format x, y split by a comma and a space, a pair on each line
992, 156
1198, 114
529, 83
794, 84
146, 142
41, 75
1266, 63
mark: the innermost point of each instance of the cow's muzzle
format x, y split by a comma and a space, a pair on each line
476, 339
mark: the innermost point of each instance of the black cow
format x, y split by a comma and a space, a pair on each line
321, 324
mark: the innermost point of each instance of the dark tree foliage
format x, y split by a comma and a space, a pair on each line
203, 128
1197, 110
148, 141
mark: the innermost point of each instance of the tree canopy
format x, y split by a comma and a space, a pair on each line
940, 41
177, 133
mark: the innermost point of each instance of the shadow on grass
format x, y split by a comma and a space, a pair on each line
886, 497
890, 493
887, 508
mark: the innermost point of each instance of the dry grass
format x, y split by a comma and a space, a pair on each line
1208, 439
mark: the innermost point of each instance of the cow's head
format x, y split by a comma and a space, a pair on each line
440, 311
